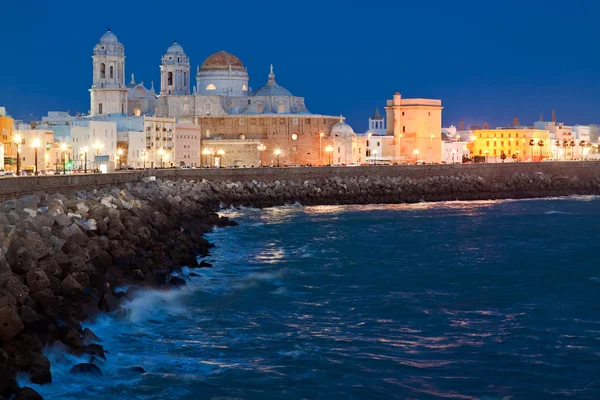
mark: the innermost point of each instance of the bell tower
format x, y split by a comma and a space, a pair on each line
108, 93
175, 72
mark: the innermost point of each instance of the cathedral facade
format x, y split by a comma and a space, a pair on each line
246, 127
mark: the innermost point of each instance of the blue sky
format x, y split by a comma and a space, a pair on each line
486, 60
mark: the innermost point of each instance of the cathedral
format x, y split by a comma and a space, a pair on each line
248, 126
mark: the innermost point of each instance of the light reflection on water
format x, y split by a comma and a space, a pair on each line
458, 300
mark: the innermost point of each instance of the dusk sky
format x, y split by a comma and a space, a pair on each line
486, 60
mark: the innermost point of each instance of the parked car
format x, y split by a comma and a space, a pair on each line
2, 173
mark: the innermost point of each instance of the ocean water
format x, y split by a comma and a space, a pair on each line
459, 300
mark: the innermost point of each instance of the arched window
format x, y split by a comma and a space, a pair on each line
244, 88
102, 71
280, 108
170, 79
259, 108
138, 112
111, 72
210, 86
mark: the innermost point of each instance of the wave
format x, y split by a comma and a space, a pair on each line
557, 212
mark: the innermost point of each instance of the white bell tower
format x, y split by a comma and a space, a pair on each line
108, 94
175, 72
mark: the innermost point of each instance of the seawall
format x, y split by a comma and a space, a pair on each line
269, 186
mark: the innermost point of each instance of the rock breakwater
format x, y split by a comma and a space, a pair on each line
63, 257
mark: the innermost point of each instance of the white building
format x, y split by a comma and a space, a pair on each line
160, 141
453, 151
377, 124
348, 147
133, 146
100, 140
187, 145
108, 93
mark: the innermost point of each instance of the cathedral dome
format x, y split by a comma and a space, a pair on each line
272, 88
175, 48
342, 129
222, 60
108, 38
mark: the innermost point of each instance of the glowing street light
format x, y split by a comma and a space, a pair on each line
329, 150
18, 139
277, 152
161, 153
119, 155
85, 151
63, 149
206, 152
98, 146
261, 148
36, 146
416, 153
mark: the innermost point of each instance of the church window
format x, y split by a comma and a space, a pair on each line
249, 102
210, 86
112, 70
241, 121
102, 70
138, 112
259, 108
170, 79
294, 148
244, 88
403, 129
100, 108
280, 108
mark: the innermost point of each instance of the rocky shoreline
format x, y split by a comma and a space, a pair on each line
63, 256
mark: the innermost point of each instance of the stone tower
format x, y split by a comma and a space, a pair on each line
108, 94
175, 72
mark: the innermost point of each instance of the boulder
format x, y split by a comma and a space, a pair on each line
39, 369
18, 289
10, 323
37, 280
19, 355
176, 282
70, 286
28, 393
86, 368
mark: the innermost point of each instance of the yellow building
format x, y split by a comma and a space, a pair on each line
7, 138
520, 144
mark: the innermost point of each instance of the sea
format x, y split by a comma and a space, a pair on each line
451, 300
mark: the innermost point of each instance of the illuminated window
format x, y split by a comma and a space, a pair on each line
280, 108
210, 86
480, 152
244, 88
487, 143
259, 108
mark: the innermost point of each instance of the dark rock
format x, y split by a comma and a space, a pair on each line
137, 274
86, 368
95, 350
18, 289
37, 280
10, 323
89, 337
39, 369
46, 300
193, 274
136, 369
176, 282
71, 287
204, 264
19, 355
28, 393
109, 303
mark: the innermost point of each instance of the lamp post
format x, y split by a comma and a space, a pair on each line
220, 152
119, 155
205, 153
85, 153
261, 148
98, 146
17, 139
36, 146
431, 149
63, 148
320, 150
329, 150
277, 152
486, 155
161, 153
374, 157
416, 153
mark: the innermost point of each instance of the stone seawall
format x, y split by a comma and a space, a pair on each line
269, 186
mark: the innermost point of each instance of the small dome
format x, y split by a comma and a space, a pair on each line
272, 88
108, 38
342, 129
221, 61
175, 48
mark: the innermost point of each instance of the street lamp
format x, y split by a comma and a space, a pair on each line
329, 150
374, 157
161, 153
63, 149
261, 148
36, 146
85, 153
119, 155
320, 150
277, 152
98, 146
416, 153
18, 139
205, 153
220, 152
